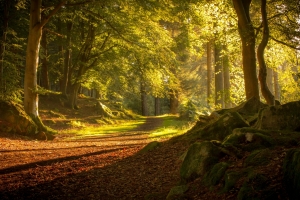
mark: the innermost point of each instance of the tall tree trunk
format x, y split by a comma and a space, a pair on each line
32, 58
226, 75
209, 73
74, 88
260, 57
7, 4
247, 34
219, 82
44, 67
67, 60
157, 106
144, 100
60, 50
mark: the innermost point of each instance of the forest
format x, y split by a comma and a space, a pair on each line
150, 99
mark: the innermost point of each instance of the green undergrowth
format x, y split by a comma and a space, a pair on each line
171, 126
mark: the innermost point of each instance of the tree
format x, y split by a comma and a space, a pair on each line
32, 57
260, 57
247, 34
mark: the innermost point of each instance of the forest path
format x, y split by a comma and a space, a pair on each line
98, 167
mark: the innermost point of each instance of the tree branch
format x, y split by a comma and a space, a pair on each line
53, 12
285, 44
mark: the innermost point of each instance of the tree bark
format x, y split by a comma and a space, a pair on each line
7, 4
32, 58
67, 59
247, 34
209, 73
260, 57
219, 82
44, 67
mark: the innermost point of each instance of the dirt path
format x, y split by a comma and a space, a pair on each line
104, 167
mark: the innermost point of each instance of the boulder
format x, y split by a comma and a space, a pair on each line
13, 119
222, 127
199, 160
281, 117
214, 176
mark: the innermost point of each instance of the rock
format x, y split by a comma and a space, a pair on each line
291, 173
214, 176
177, 192
258, 158
199, 159
149, 147
219, 129
250, 139
281, 117
13, 119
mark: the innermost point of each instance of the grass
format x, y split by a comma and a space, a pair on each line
92, 131
172, 126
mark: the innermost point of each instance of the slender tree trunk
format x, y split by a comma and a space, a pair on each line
157, 106
247, 34
73, 95
44, 69
32, 58
209, 73
7, 4
226, 75
144, 100
61, 51
67, 60
219, 82
260, 57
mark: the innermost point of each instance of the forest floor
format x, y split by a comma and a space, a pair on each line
95, 167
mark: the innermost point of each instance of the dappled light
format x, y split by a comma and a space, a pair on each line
148, 99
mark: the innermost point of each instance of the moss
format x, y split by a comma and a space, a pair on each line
223, 127
231, 178
250, 139
199, 159
149, 147
258, 158
214, 176
256, 186
291, 171
177, 192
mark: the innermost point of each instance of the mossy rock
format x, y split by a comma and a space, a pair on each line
281, 117
199, 159
258, 158
222, 127
214, 176
177, 192
232, 177
13, 119
250, 139
291, 171
149, 147
256, 187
